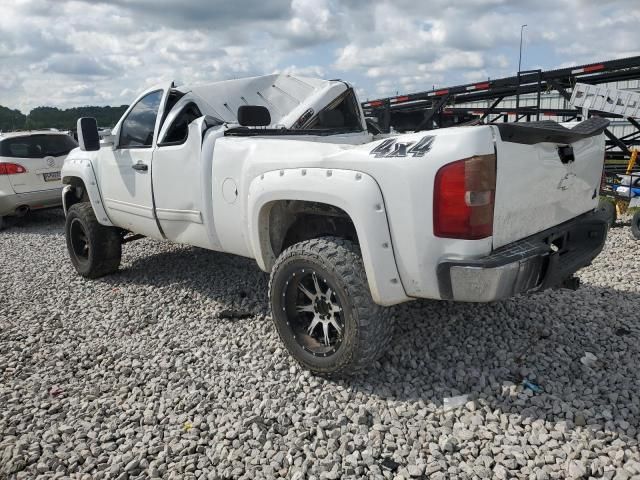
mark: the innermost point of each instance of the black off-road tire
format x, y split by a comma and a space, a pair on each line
2, 223
368, 326
104, 243
635, 225
609, 210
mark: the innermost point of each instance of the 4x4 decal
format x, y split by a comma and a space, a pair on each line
393, 148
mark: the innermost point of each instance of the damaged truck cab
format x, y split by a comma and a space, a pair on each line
282, 169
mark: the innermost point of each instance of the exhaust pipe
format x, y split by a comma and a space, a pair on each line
22, 210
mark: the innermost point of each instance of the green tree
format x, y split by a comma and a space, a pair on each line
52, 117
11, 119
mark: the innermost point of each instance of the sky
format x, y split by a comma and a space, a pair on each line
90, 52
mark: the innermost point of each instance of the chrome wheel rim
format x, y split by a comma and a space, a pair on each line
314, 312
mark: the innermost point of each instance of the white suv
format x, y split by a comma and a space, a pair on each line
30, 164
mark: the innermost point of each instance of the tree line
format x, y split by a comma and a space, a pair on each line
52, 117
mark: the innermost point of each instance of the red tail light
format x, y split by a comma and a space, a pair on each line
11, 168
463, 198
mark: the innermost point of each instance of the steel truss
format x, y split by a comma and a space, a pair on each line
443, 106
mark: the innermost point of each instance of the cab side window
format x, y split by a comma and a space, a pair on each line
179, 130
138, 127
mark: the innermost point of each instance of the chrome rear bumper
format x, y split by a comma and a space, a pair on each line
541, 261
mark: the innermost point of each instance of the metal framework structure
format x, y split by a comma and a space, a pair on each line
444, 106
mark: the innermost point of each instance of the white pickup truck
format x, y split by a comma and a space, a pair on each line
282, 169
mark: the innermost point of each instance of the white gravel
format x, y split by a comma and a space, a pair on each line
171, 368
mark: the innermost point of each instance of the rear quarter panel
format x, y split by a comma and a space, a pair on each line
406, 184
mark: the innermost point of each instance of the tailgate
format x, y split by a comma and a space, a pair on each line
546, 174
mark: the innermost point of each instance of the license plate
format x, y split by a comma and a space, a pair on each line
51, 176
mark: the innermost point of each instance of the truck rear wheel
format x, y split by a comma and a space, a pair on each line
635, 225
323, 310
95, 250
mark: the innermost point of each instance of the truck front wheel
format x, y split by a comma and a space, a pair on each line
323, 310
95, 249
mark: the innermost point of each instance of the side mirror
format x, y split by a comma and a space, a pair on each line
253, 116
88, 138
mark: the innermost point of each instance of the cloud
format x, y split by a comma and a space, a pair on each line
307, 71
80, 65
312, 21
203, 14
76, 52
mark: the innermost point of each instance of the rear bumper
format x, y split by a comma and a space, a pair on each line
34, 200
541, 261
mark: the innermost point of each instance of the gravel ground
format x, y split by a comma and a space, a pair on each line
171, 368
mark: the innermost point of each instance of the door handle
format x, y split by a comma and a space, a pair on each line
141, 167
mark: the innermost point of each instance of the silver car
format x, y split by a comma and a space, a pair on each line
30, 164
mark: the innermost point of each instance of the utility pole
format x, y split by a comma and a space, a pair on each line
520, 57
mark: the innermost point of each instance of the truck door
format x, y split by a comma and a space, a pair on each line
125, 169
179, 177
